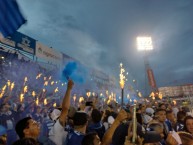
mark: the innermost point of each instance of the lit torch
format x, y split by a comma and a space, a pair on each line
122, 82
25, 89
45, 101
56, 90
33, 93
21, 97
81, 99
45, 83
25, 80
37, 101
74, 98
52, 82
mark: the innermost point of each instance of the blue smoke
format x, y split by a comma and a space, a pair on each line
74, 71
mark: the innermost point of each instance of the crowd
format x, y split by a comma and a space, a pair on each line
29, 122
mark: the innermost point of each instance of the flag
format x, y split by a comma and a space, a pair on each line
10, 17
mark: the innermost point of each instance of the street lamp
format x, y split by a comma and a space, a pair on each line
145, 44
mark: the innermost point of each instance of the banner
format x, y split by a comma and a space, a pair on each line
151, 79
21, 42
10, 17
49, 54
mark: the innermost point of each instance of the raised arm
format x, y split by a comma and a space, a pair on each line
66, 103
107, 139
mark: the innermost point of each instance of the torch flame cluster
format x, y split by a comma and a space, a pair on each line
122, 76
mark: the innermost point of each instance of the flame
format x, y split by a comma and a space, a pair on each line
1, 95
45, 101
135, 101
130, 100
109, 101
139, 94
44, 90
74, 97
21, 97
25, 79
93, 93
4, 87
38, 76
45, 83
107, 92
110, 97
62, 84
50, 77
52, 82
33, 93
160, 96
81, 99
152, 94
45, 78
37, 101
174, 101
54, 105
56, 90
88, 94
25, 89
12, 86
122, 76
8, 83
128, 96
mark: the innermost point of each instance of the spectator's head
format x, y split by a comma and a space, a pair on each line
160, 115
142, 107
188, 124
170, 116
26, 141
157, 127
27, 127
162, 106
91, 139
181, 116
80, 119
149, 111
3, 135
122, 131
96, 116
5, 107
71, 112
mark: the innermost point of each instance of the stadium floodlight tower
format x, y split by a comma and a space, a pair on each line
145, 44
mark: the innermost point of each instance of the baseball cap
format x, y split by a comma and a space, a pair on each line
55, 114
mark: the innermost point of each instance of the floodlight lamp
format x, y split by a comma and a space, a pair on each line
144, 43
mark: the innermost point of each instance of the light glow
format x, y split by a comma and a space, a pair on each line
144, 43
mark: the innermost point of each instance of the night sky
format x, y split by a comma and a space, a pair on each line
102, 33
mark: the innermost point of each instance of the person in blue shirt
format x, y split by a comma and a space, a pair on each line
75, 137
96, 124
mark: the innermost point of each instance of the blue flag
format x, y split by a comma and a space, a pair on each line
10, 17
